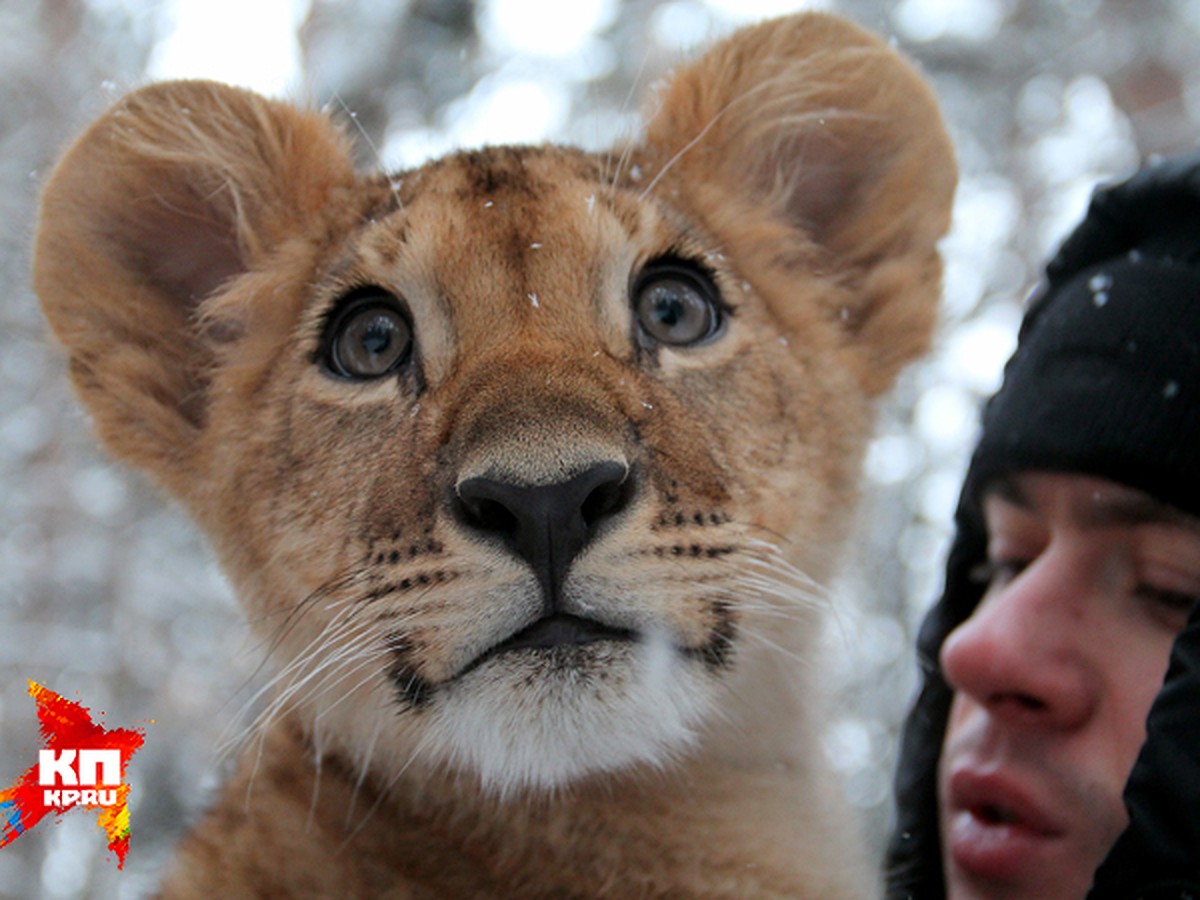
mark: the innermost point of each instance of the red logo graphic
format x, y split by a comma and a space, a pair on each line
83, 765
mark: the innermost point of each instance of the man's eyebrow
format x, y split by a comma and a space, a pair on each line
1006, 488
1135, 509
1127, 507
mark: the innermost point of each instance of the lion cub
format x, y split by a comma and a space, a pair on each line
526, 463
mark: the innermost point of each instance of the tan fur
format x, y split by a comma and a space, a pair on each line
191, 247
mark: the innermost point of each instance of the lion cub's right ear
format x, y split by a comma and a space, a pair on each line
825, 127
175, 191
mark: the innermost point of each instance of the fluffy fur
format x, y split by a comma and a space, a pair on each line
194, 246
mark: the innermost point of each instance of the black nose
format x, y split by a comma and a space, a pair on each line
546, 525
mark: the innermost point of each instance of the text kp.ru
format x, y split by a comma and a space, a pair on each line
87, 777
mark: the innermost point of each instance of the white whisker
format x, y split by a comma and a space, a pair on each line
353, 117
627, 150
383, 792
363, 768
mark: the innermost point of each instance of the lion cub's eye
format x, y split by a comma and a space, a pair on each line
676, 303
369, 336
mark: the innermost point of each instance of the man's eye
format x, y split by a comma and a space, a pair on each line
997, 572
1175, 606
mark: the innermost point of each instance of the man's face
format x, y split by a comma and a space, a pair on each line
1054, 673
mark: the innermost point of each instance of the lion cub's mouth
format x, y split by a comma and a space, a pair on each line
555, 630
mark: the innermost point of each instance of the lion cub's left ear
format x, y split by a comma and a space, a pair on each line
809, 146
175, 191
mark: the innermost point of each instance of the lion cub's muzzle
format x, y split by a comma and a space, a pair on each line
548, 526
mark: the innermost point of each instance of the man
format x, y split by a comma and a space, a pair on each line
1071, 589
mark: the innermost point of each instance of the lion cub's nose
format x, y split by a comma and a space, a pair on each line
547, 525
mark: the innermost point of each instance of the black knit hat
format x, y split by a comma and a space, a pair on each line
1106, 377
1105, 381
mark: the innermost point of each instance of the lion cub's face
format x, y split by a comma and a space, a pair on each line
523, 461
523, 448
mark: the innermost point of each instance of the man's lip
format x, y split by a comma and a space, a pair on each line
994, 827
993, 796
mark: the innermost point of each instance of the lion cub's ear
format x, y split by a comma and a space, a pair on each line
178, 189
839, 138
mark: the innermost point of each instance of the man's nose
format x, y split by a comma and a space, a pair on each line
1025, 653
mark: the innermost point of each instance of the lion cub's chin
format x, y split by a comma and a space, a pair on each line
540, 719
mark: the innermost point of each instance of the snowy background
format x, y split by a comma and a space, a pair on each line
109, 595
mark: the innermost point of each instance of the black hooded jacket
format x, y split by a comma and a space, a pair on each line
1109, 389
